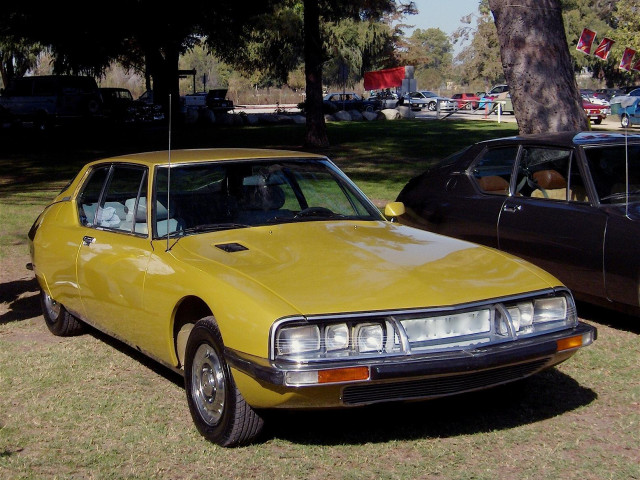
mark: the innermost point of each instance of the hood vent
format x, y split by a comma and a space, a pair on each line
231, 247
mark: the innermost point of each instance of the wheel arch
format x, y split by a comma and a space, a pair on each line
188, 312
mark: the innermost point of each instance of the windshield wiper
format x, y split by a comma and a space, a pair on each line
211, 227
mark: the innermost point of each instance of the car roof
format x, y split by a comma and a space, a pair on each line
207, 155
569, 139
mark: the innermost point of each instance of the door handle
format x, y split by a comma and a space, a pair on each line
513, 209
87, 240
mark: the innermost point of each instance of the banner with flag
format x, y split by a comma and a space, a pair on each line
586, 41
603, 49
627, 57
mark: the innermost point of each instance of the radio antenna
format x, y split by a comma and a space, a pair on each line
169, 181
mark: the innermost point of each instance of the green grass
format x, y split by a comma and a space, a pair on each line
89, 407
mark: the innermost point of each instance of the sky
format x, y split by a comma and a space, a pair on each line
442, 14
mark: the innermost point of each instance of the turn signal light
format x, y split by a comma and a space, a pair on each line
569, 343
343, 375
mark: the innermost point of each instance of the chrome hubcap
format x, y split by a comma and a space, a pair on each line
52, 307
208, 384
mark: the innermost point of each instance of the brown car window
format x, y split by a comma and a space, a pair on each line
549, 174
492, 171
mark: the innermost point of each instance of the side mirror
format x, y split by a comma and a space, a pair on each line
394, 209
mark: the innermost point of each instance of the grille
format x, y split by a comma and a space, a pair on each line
439, 386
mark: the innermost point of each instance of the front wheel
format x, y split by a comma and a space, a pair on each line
625, 121
217, 407
432, 106
59, 321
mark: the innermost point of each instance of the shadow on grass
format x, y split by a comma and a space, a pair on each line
21, 306
543, 396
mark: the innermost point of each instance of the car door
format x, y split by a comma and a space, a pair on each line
551, 222
474, 200
114, 250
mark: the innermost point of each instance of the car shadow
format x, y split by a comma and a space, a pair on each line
20, 305
540, 397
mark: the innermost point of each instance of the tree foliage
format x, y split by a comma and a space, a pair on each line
431, 52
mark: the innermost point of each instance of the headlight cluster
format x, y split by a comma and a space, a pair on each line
404, 333
332, 340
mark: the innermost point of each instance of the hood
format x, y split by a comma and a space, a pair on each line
331, 267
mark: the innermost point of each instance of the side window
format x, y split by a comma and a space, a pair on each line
123, 206
492, 172
114, 198
549, 173
89, 197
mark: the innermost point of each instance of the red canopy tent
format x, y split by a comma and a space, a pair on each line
390, 77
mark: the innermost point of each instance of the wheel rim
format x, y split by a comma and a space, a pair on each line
52, 307
208, 384
625, 121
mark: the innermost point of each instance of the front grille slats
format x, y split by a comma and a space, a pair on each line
438, 386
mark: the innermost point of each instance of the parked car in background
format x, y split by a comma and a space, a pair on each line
117, 104
380, 101
608, 93
218, 102
562, 201
427, 99
268, 280
629, 111
466, 100
47, 100
595, 112
343, 101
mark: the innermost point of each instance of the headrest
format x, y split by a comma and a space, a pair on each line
262, 197
493, 183
549, 179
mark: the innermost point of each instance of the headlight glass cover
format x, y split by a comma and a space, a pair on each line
308, 340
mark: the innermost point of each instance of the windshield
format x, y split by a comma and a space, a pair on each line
224, 195
612, 179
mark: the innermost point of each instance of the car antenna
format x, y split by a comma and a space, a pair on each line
169, 181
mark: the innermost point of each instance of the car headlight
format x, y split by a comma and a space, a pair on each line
298, 340
369, 338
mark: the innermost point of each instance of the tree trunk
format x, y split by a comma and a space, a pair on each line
537, 66
316, 135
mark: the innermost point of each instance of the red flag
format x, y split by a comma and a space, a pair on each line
627, 56
586, 41
602, 51
391, 77
636, 66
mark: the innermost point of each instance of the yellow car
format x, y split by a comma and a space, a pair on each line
270, 281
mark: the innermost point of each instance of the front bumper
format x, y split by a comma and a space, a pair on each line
410, 377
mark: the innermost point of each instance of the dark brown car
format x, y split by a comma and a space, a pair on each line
568, 202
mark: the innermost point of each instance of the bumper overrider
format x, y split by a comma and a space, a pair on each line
407, 355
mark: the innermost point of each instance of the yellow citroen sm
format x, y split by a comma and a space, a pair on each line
268, 280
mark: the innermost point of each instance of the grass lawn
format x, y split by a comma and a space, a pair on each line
90, 407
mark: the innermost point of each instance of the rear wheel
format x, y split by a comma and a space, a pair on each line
217, 407
58, 320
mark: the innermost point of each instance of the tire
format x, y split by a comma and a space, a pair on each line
624, 121
597, 121
59, 322
432, 106
217, 407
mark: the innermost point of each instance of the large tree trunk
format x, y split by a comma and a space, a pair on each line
316, 135
537, 66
